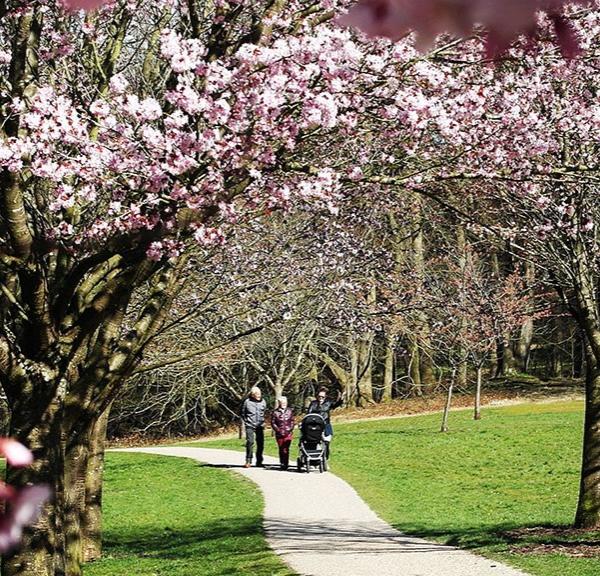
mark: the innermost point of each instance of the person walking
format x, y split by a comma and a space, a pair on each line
282, 422
253, 416
323, 406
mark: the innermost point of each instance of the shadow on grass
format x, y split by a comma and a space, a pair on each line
237, 466
547, 538
223, 537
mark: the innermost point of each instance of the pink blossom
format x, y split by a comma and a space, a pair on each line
587, 224
100, 109
83, 4
155, 251
429, 18
356, 174
24, 507
209, 236
15, 453
118, 84
150, 109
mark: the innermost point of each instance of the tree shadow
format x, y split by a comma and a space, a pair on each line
514, 537
238, 466
222, 538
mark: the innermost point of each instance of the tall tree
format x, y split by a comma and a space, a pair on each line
127, 135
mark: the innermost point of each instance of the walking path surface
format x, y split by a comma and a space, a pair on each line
320, 526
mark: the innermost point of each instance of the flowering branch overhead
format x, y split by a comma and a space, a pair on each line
503, 21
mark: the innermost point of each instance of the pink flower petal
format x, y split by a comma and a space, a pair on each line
504, 20
83, 4
10, 534
15, 452
7, 492
28, 504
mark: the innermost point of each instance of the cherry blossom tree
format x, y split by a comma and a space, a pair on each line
132, 132
515, 143
129, 134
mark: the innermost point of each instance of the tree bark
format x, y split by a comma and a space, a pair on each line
364, 370
92, 514
414, 367
41, 551
388, 369
585, 310
56, 416
522, 348
75, 469
504, 357
461, 368
477, 411
588, 507
446, 415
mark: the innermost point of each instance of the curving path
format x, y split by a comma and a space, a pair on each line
321, 527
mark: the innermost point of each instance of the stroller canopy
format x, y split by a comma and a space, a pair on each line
312, 428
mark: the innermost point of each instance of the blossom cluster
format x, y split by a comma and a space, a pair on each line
22, 507
132, 162
503, 21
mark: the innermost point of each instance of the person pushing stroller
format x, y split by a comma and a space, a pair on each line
323, 406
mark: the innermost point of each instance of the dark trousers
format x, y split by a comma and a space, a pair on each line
284, 449
253, 434
328, 432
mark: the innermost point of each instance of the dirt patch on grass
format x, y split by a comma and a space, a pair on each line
566, 541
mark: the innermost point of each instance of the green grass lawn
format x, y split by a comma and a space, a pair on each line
171, 516
477, 486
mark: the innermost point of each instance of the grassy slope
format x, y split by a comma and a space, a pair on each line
518, 467
170, 516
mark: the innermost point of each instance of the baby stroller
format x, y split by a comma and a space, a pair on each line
312, 443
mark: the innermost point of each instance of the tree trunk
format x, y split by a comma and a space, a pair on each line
505, 359
364, 370
477, 414
587, 315
461, 368
427, 375
92, 515
278, 389
558, 340
414, 368
75, 471
446, 415
41, 550
522, 351
522, 348
588, 507
388, 369
422, 339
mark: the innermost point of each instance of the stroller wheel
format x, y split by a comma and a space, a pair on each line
321, 467
324, 465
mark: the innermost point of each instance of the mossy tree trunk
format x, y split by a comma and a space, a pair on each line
588, 506
58, 387
92, 513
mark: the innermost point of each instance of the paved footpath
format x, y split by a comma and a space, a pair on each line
320, 526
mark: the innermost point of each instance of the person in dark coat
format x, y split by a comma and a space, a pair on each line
282, 422
253, 416
323, 406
